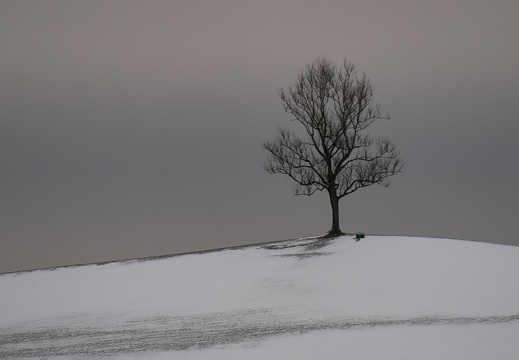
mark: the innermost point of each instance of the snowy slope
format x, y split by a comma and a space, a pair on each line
380, 298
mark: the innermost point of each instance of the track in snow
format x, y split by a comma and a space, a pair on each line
83, 336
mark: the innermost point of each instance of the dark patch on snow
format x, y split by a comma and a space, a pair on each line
305, 255
308, 244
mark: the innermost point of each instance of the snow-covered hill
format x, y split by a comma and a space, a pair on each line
379, 298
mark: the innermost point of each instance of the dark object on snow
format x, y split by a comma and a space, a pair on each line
359, 236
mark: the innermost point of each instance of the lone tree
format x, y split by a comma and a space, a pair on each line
336, 153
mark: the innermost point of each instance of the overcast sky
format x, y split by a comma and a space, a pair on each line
133, 128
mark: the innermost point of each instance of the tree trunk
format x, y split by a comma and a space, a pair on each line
334, 202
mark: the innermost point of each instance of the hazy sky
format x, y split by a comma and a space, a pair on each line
133, 128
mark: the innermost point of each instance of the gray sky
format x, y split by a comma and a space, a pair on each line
133, 128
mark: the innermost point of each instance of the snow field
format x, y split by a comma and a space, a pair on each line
379, 298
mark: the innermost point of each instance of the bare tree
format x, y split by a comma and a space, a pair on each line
337, 154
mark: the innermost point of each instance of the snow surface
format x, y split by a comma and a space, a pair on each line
379, 298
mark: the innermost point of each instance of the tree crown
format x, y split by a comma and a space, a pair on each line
335, 107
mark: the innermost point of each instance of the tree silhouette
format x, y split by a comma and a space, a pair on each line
336, 153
